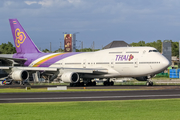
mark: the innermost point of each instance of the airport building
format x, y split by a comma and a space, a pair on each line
116, 44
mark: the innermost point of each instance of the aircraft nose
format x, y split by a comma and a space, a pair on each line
166, 63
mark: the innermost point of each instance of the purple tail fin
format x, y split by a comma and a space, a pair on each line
23, 42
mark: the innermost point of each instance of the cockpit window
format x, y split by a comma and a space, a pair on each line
153, 50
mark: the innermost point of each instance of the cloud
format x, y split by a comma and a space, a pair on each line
46, 3
94, 12
20, 4
118, 17
74, 1
30, 2
54, 3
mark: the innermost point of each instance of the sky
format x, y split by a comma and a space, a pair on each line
101, 21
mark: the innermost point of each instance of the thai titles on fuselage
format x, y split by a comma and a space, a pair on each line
124, 57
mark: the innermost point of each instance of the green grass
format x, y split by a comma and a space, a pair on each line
167, 109
161, 78
131, 83
11, 90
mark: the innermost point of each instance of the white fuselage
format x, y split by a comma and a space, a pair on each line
119, 62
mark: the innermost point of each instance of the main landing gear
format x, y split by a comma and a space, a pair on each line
108, 83
81, 84
91, 83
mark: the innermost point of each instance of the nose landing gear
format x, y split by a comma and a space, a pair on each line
149, 83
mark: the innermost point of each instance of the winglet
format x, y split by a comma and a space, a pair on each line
23, 42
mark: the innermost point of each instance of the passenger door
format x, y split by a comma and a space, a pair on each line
136, 63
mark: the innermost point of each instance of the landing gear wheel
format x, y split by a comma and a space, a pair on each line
106, 83
112, 83
91, 84
94, 83
149, 83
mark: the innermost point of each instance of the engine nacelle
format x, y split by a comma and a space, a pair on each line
20, 75
142, 78
70, 77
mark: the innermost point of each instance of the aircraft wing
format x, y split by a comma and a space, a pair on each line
53, 69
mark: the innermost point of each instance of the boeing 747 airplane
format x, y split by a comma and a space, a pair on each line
79, 68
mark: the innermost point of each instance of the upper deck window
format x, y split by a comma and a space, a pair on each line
132, 52
115, 52
153, 50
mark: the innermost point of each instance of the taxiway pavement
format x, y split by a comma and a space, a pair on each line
88, 96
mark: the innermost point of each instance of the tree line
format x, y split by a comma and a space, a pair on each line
8, 48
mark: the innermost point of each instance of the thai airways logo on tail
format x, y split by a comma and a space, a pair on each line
20, 37
22, 41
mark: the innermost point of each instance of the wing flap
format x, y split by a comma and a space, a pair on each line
37, 68
87, 70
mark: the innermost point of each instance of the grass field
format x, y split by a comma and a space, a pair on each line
167, 109
14, 90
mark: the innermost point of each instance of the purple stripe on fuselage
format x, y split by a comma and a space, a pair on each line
34, 56
30, 57
57, 58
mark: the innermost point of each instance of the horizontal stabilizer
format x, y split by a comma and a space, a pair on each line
10, 56
15, 59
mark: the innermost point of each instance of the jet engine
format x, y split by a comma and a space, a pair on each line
70, 77
19, 75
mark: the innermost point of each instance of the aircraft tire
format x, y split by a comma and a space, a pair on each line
151, 83
105, 83
94, 83
111, 83
108, 83
147, 83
